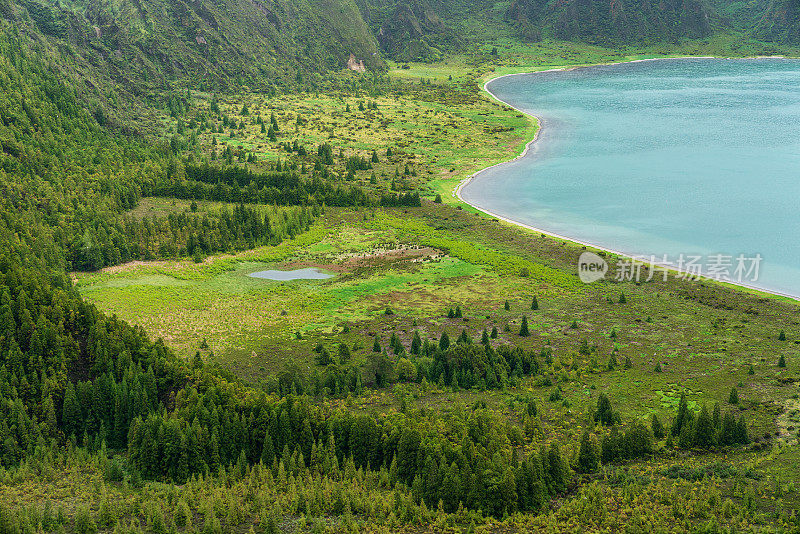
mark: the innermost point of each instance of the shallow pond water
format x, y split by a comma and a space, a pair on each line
297, 274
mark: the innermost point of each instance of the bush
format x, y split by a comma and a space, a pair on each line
116, 469
84, 522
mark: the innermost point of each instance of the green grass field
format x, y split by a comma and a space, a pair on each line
703, 337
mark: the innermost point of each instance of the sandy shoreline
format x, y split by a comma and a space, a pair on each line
526, 150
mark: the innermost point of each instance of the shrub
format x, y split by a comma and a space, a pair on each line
84, 522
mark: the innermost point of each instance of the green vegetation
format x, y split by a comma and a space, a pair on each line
454, 374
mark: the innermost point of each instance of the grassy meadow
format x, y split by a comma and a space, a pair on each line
698, 338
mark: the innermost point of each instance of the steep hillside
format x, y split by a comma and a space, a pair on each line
605, 20
214, 44
780, 22
410, 31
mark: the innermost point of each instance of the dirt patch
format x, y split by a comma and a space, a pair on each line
380, 257
789, 422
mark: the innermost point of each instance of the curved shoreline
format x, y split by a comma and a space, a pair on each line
457, 191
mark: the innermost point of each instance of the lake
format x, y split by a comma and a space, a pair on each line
692, 157
297, 274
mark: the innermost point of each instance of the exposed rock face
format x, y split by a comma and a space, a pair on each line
356, 65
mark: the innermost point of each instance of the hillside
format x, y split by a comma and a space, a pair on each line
139, 49
780, 22
604, 20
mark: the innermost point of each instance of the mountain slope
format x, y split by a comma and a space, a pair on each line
213, 43
780, 22
616, 21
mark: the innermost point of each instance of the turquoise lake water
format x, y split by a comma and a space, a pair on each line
699, 157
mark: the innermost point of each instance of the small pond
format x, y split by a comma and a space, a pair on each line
297, 274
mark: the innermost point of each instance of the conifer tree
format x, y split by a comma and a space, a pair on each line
71, 412
416, 343
681, 416
444, 341
703, 430
344, 353
656, 427
534, 304
605, 414
523, 329
589, 454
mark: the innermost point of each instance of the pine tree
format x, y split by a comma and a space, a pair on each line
49, 423
703, 430
728, 432
589, 454
534, 304
493, 335
656, 427
416, 343
681, 416
733, 398
344, 353
605, 414
376, 346
782, 361
394, 343
444, 341
741, 436
485, 337
507, 306
523, 329
782, 336
71, 412
556, 470
324, 357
